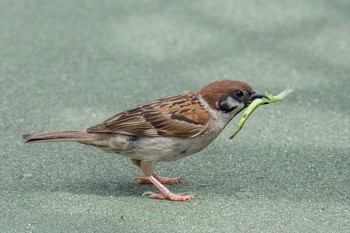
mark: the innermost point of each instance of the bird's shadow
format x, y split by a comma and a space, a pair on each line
126, 187
119, 188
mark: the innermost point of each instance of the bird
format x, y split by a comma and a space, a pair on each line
166, 129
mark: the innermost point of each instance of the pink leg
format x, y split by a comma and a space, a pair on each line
146, 168
162, 180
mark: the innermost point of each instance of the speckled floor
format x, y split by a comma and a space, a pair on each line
71, 64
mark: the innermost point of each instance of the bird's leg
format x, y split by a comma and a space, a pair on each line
168, 180
146, 168
163, 180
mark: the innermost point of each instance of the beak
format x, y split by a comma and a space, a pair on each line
256, 95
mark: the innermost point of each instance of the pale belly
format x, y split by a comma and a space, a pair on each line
157, 148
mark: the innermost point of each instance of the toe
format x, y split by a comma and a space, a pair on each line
170, 196
181, 197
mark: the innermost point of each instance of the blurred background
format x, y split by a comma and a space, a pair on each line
71, 64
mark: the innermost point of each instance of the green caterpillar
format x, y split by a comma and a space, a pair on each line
257, 102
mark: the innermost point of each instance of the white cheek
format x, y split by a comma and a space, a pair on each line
231, 102
221, 118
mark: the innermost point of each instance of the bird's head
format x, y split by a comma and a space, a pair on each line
229, 96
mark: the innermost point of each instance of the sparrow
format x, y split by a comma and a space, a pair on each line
166, 129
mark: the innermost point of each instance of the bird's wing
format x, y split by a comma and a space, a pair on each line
178, 116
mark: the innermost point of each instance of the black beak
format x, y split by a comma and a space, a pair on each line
256, 95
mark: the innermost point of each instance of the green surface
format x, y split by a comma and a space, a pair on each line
71, 64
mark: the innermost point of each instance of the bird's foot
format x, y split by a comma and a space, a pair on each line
163, 180
170, 196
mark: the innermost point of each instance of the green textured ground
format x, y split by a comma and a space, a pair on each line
71, 64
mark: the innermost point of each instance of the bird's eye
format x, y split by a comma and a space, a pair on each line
239, 93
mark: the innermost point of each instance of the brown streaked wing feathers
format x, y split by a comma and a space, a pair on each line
179, 116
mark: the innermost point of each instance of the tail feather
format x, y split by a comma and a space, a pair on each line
61, 136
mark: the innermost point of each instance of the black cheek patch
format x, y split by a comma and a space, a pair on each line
224, 106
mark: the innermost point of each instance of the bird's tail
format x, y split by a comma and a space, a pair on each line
61, 136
